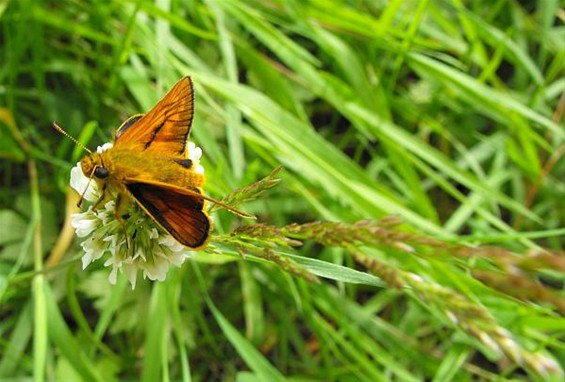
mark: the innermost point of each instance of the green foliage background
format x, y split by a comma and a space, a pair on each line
446, 115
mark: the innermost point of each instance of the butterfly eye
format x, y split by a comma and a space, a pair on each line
101, 172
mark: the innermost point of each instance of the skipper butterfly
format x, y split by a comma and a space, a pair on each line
149, 164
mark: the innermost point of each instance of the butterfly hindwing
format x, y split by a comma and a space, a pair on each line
178, 211
127, 124
165, 128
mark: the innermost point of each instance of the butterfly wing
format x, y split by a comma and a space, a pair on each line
165, 128
178, 211
127, 124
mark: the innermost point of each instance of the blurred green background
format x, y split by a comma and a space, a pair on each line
446, 114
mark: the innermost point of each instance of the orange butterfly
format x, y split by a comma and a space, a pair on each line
149, 163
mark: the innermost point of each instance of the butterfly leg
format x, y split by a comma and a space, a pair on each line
100, 199
122, 215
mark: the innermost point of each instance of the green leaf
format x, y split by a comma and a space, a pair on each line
62, 337
264, 370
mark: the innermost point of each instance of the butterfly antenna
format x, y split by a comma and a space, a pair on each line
60, 130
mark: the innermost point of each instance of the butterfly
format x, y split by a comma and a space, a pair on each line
149, 163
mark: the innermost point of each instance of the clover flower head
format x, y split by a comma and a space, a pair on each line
194, 154
130, 245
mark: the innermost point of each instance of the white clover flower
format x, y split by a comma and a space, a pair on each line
194, 154
137, 244
82, 185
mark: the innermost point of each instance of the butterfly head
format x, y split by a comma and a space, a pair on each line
92, 165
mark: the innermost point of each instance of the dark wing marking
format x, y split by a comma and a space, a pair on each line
186, 163
180, 214
166, 127
154, 135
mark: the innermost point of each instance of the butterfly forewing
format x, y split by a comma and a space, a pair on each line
166, 127
178, 212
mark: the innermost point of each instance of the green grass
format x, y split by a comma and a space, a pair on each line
417, 231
